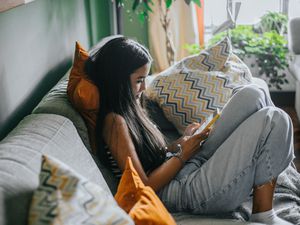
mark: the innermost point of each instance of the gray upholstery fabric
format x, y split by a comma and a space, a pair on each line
295, 66
294, 45
2, 208
294, 35
20, 159
110, 179
188, 219
56, 102
157, 115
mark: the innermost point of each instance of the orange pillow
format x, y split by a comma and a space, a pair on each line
83, 93
140, 201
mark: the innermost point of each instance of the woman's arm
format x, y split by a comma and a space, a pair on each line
118, 139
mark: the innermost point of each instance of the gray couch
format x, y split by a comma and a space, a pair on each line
294, 45
55, 128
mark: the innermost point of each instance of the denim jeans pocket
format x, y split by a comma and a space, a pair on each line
189, 167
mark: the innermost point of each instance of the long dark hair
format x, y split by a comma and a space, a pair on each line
110, 67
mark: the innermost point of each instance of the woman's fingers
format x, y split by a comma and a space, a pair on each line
191, 144
203, 134
191, 128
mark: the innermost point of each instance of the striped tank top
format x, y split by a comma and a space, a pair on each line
113, 164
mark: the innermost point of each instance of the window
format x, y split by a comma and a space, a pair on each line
251, 10
294, 8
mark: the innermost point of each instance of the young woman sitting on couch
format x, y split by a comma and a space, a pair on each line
250, 145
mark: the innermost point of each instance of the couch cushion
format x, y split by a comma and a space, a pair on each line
20, 159
190, 91
65, 197
192, 96
295, 67
83, 93
140, 201
188, 219
211, 59
56, 102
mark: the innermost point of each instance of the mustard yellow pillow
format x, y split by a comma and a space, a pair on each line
83, 93
140, 201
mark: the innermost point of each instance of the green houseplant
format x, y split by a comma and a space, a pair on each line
269, 48
273, 21
143, 7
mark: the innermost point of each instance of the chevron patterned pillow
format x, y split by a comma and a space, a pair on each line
190, 91
211, 59
64, 197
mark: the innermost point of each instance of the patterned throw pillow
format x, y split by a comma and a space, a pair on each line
237, 70
212, 59
64, 197
191, 90
140, 201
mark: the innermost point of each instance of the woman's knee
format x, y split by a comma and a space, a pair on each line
282, 121
283, 136
276, 145
251, 94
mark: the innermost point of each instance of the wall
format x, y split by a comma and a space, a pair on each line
131, 26
37, 43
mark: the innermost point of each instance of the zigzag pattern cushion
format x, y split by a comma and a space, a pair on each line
212, 59
237, 70
64, 197
189, 92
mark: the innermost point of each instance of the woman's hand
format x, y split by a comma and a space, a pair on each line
190, 129
190, 144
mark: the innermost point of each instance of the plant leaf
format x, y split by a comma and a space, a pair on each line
197, 2
168, 3
141, 17
119, 2
135, 4
148, 8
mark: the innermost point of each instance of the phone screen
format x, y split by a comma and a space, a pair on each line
209, 121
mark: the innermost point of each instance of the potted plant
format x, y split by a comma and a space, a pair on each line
264, 43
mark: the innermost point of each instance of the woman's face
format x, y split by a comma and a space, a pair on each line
138, 80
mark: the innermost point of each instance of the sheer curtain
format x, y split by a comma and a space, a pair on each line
182, 29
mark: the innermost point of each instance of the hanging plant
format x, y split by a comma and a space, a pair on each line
143, 7
273, 21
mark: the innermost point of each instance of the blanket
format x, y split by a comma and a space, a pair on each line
286, 198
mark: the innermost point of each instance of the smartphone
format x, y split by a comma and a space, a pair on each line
209, 121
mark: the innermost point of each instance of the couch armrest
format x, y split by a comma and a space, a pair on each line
294, 35
295, 67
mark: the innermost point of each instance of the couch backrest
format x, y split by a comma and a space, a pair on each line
20, 159
56, 102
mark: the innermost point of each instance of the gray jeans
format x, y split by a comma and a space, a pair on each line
250, 144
